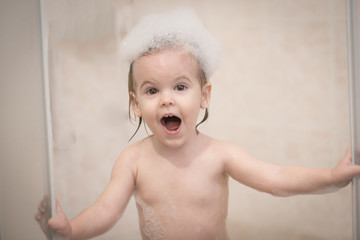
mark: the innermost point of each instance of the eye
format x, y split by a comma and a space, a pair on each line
180, 87
152, 91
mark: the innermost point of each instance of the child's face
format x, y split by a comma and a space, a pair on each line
168, 95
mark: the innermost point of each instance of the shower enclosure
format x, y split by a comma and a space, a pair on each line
275, 48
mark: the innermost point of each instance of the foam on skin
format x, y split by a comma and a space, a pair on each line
152, 226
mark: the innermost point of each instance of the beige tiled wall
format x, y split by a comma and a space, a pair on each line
281, 93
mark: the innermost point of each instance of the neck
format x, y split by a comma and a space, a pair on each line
181, 153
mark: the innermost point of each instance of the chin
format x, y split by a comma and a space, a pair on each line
174, 143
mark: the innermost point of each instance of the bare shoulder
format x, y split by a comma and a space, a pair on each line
133, 150
225, 150
231, 156
129, 157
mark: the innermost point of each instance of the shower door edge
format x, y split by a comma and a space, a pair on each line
48, 118
354, 80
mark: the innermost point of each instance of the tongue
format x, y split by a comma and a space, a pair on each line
172, 123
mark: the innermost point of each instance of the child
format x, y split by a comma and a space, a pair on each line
179, 176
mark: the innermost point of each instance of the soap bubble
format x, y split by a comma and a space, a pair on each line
179, 28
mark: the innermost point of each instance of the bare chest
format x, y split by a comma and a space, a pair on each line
182, 198
197, 184
181, 203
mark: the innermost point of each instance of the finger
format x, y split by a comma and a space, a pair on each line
42, 208
58, 208
43, 205
348, 152
38, 216
53, 222
356, 170
347, 159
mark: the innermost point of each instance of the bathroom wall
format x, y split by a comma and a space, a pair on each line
23, 145
281, 93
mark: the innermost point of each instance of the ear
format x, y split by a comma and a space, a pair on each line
135, 104
205, 95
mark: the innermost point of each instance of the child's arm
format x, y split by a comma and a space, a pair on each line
107, 209
285, 181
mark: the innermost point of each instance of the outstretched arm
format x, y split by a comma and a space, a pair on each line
107, 209
313, 180
286, 181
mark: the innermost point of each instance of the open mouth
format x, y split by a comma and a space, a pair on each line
171, 123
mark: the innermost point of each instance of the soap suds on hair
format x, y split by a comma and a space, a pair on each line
179, 28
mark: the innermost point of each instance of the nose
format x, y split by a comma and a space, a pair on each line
166, 100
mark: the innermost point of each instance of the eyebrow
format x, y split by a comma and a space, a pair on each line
144, 83
177, 79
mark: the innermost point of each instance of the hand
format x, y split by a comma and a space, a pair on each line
60, 224
344, 171
43, 215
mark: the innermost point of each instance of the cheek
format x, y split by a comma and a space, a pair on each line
147, 109
192, 105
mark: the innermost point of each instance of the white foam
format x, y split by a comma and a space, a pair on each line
178, 28
152, 225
